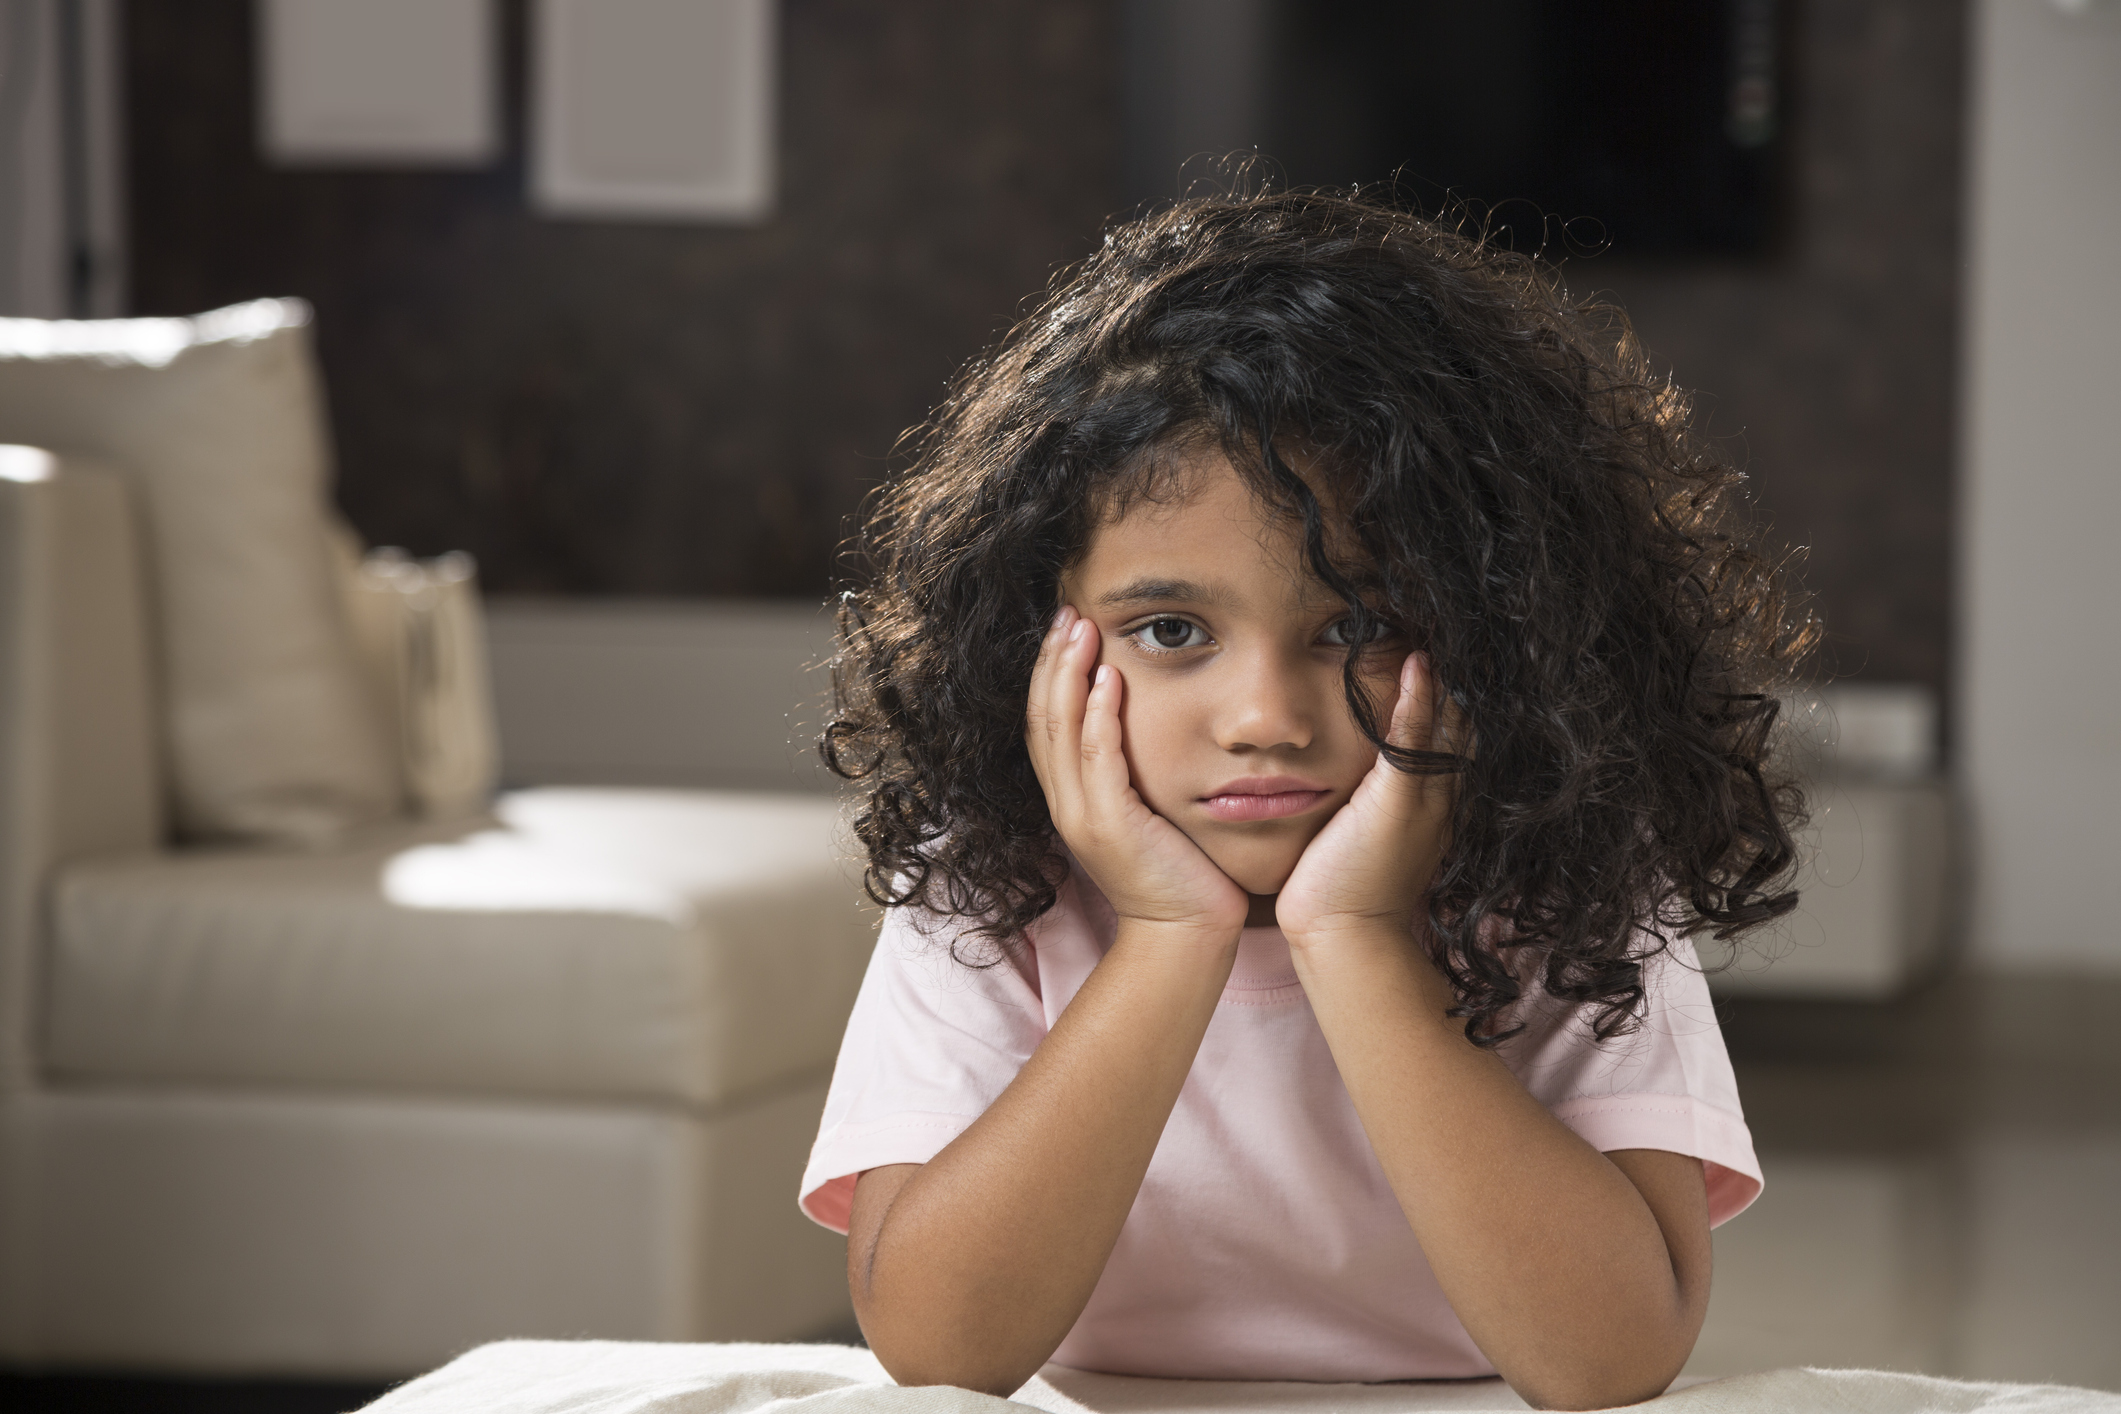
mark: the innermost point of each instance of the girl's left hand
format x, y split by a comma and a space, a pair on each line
1368, 868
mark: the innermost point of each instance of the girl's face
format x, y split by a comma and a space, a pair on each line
1237, 725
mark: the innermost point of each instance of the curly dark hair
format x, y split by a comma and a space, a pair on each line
1510, 488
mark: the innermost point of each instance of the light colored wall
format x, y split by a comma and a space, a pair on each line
725, 693
38, 227
2039, 694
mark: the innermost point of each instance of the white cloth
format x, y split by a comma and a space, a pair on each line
617, 1377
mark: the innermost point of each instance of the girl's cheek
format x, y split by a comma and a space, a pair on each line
1153, 729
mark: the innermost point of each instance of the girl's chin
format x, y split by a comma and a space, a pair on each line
1263, 878
1259, 859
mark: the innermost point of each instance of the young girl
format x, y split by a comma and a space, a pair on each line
1307, 691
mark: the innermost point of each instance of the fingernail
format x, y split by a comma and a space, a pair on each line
1104, 674
1075, 632
1406, 673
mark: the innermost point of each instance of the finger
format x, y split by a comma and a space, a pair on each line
1067, 696
1104, 757
1414, 714
1067, 685
1038, 714
1051, 652
1049, 649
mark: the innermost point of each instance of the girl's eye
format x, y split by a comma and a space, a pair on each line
1170, 634
1341, 632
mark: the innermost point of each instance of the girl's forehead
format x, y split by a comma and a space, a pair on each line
1200, 500
1210, 539
1197, 494
1197, 466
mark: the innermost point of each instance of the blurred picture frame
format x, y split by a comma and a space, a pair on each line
378, 83
653, 110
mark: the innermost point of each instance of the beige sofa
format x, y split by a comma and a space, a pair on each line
347, 1112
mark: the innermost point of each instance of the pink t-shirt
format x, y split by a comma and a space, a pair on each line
1265, 1242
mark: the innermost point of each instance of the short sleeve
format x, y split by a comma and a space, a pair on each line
1666, 1085
931, 1043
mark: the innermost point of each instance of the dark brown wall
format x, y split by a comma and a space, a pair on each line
631, 408
606, 408
1832, 367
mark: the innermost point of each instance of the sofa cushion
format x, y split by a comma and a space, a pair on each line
219, 422
687, 946
422, 634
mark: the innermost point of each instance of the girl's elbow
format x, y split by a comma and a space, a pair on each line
1613, 1386
1590, 1395
962, 1369
942, 1348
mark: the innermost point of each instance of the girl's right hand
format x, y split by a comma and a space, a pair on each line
1146, 867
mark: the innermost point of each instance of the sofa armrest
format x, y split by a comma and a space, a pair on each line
80, 770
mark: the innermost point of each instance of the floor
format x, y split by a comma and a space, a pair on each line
1943, 1186
1944, 1196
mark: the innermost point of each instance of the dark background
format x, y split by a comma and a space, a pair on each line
1652, 123
603, 408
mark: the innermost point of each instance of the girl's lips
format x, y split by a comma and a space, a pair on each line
1269, 799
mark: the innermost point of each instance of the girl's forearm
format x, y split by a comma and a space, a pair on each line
1549, 1253
970, 1269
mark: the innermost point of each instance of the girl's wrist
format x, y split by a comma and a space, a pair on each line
1358, 933
1205, 936
1184, 967
1365, 953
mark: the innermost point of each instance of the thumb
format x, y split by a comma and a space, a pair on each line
1414, 714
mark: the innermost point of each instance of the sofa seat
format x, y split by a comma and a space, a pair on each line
691, 947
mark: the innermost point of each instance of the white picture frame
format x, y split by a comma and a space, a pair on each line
378, 83
653, 110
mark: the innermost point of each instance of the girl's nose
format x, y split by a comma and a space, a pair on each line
1265, 703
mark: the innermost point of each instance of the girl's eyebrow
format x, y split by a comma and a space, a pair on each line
1158, 591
